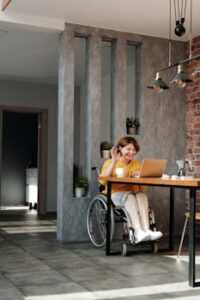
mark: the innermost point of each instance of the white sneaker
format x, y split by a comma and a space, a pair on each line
154, 235
141, 235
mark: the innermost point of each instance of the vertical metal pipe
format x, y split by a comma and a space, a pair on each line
192, 242
171, 220
109, 184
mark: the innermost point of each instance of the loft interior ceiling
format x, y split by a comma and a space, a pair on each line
29, 29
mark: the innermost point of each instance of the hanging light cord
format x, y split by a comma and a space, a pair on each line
179, 12
184, 9
190, 54
176, 10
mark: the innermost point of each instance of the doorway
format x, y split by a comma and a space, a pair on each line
23, 160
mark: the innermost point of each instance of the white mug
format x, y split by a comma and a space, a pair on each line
119, 172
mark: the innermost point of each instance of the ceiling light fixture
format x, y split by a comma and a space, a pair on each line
158, 84
179, 17
181, 78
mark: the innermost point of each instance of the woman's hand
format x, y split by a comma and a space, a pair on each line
135, 174
115, 154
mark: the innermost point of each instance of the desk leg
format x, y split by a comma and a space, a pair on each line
109, 186
192, 242
171, 221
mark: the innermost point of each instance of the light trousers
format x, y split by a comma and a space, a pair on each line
137, 207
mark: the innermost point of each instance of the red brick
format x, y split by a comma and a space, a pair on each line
196, 150
196, 40
198, 194
196, 52
196, 138
197, 157
196, 163
197, 125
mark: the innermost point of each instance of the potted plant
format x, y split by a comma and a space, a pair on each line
132, 125
81, 184
105, 149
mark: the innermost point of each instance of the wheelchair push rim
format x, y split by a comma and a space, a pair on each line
96, 221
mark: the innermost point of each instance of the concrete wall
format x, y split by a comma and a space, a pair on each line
162, 116
21, 94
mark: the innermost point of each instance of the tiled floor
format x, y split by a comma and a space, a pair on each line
34, 266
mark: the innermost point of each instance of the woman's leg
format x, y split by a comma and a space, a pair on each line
143, 209
130, 203
143, 206
131, 207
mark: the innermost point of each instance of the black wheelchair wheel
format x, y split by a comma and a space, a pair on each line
124, 249
155, 247
96, 221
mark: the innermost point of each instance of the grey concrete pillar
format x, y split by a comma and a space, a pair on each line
65, 133
71, 218
93, 95
119, 89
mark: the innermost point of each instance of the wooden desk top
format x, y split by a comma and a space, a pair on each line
155, 181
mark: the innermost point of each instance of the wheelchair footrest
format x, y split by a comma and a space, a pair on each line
125, 237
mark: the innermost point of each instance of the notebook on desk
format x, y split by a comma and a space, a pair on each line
153, 167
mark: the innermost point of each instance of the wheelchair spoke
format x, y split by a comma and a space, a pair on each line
96, 221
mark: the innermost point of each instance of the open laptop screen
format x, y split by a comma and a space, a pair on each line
153, 167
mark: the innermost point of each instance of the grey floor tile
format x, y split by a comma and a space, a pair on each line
140, 269
110, 283
16, 257
53, 289
36, 278
35, 266
5, 284
23, 266
11, 294
69, 263
88, 273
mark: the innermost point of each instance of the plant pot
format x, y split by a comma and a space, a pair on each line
106, 154
79, 192
131, 130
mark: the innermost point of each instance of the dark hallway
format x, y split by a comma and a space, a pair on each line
19, 152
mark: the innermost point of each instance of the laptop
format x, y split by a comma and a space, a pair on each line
153, 167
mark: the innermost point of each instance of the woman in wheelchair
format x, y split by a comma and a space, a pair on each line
132, 198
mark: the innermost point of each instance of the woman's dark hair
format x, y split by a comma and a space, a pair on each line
128, 140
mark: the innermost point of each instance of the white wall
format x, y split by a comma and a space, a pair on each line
23, 94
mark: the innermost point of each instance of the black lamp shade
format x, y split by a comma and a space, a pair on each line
158, 84
181, 77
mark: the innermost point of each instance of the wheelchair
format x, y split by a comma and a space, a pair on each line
97, 218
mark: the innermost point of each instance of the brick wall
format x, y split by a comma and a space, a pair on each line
193, 116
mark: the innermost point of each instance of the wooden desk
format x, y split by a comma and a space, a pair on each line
191, 185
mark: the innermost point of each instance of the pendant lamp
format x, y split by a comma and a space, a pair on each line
181, 78
158, 84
